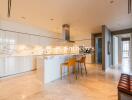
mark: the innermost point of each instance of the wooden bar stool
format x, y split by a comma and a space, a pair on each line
71, 63
82, 63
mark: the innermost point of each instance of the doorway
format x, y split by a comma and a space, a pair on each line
125, 48
99, 50
121, 50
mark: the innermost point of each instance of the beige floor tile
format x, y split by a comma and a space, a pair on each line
97, 85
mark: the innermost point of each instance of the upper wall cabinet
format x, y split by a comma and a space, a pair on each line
2, 66
11, 42
34, 40
2, 41
44, 41
7, 42
10, 67
23, 39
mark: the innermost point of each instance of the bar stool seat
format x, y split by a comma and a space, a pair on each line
69, 64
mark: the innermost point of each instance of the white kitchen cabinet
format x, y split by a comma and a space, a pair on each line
2, 41
10, 66
20, 64
27, 64
34, 40
41, 41
17, 64
2, 66
23, 39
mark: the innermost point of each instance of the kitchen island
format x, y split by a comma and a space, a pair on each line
49, 66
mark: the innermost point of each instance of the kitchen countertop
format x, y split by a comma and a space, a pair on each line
60, 54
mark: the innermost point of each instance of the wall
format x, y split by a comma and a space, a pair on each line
83, 40
115, 50
93, 44
119, 50
131, 49
106, 58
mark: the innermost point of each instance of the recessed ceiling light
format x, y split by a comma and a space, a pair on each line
111, 1
23, 18
51, 19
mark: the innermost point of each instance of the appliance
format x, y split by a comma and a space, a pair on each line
9, 8
66, 32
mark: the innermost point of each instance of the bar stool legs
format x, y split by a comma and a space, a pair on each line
84, 65
68, 69
70, 64
61, 71
75, 70
85, 68
78, 67
81, 69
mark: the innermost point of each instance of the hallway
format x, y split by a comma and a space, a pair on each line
116, 70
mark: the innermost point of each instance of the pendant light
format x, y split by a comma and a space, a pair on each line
9, 7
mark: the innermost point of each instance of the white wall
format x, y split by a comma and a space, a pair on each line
131, 49
119, 50
106, 58
115, 50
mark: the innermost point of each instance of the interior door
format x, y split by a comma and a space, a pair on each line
99, 50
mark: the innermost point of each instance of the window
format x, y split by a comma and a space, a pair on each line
125, 49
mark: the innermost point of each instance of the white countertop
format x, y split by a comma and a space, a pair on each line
59, 54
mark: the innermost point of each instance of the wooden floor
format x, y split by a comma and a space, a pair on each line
97, 85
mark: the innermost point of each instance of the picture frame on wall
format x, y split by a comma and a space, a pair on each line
109, 47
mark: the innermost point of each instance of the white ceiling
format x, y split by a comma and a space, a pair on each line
84, 16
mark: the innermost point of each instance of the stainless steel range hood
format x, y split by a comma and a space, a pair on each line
66, 32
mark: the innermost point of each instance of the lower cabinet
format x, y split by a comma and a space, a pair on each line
2, 66
14, 65
10, 66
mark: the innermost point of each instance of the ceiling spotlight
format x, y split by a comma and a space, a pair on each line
111, 1
51, 19
23, 18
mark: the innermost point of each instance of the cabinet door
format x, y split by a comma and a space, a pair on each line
11, 39
23, 39
28, 63
43, 41
19, 64
10, 66
2, 66
34, 40
2, 42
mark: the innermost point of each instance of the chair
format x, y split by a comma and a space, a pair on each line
71, 63
125, 87
80, 62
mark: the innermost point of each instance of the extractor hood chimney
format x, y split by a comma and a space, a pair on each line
66, 32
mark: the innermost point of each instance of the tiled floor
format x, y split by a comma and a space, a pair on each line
97, 85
